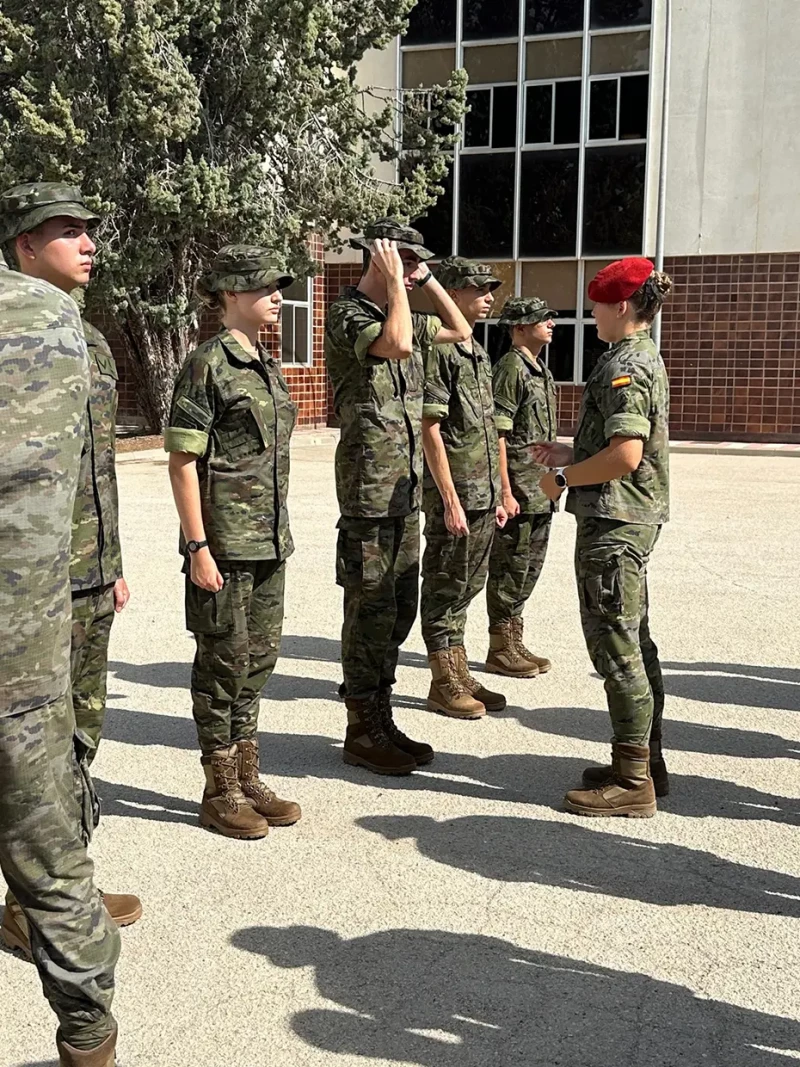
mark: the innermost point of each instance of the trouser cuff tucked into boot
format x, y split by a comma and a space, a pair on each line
628, 790
102, 1056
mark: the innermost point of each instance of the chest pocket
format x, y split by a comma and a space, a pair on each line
241, 432
536, 405
467, 388
382, 387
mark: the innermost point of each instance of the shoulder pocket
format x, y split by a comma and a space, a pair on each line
106, 365
201, 419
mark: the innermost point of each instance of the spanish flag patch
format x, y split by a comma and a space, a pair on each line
624, 379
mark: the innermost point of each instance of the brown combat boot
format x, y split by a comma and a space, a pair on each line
102, 1056
124, 908
418, 750
225, 808
448, 694
596, 776
277, 812
629, 790
518, 630
491, 701
367, 744
505, 657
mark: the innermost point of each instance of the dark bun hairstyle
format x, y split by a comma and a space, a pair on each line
649, 299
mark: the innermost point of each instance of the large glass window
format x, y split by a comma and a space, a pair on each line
431, 22
548, 219
296, 323
428, 66
618, 108
553, 16
490, 18
436, 225
486, 206
608, 13
614, 201
491, 121
553, 113
559, 58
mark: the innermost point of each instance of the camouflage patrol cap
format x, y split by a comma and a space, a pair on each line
456, 272
242, 268
525, 311
392, 230
24, 207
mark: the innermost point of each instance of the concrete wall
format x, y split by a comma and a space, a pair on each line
734, 143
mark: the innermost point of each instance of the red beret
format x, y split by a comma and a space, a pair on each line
620, 280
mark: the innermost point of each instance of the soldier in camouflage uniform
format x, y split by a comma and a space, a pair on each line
525, 410
45, 234
461, 494
228, 439
374, 350
618, 477
46, 799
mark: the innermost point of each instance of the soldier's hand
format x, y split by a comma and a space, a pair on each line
204, 571
387, 259
121, 594
549, 487
501, 516
511, 505
455, 520
553, 454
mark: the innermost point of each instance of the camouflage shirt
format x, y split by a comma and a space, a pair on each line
627, 395
233, 411
525, 411
96, 555
378, 403
44, 383
458, 392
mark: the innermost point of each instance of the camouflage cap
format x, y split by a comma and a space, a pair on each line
456, 272
525, 311
242, 268
392, 230
24, 207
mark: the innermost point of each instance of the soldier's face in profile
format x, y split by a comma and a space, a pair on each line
540, 333
610, 319
413, 268
258, 307
60, 251
474, 302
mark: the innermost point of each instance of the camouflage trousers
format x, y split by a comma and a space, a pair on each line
611, 568
238, 634
47, 813
92, 618
454, 571
517, 559
377, 565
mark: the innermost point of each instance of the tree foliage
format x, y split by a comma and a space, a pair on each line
193, 123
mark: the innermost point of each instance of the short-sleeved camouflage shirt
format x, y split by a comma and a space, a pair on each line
525, 412
96, 555
378, 403
458, 392
233, 410
627, 395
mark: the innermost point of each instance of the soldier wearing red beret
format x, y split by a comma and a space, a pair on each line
618, 478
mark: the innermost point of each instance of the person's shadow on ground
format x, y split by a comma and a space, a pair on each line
743, 684
441, 999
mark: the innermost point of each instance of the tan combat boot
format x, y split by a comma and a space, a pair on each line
367, 744
124, 908
102, 1056
418, 750
225, 808
629, 790
491, 701
505, 657
448, 694
596, 776
277, 812
518, 630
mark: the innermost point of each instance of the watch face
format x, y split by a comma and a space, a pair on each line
192, 545
561, 481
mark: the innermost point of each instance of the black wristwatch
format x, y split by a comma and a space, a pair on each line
425, 280
195, 546
561, 478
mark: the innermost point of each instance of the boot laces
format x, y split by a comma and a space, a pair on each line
391, 728
226, 777
517, 627
453, 680
375, 724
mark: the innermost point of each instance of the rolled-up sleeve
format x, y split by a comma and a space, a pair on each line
426, 327
192, 413
506, 392
438, 384
352, 326
625, 401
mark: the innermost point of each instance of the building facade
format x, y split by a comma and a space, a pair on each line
558, 172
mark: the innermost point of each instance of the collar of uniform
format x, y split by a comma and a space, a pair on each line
477, 349
239, 352
606, 356
352, 292
535, 364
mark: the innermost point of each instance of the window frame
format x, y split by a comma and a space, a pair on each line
309, 306
542, 146
471, 150
600, 142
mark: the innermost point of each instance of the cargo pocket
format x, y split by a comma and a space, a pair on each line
601, 584
207, 612
88, 801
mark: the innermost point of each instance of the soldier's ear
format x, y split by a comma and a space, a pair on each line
23, 248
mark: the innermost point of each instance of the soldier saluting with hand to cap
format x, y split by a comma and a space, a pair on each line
617, 474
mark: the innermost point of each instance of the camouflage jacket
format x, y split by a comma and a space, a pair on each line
378, 403
458, 392
525, 412
96, 554
627, 394
44, 385
234, 412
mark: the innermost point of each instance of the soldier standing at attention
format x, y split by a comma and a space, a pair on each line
461, 494
228, 439
374, 350
525, 410
618, 479
45, 789
45, 231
